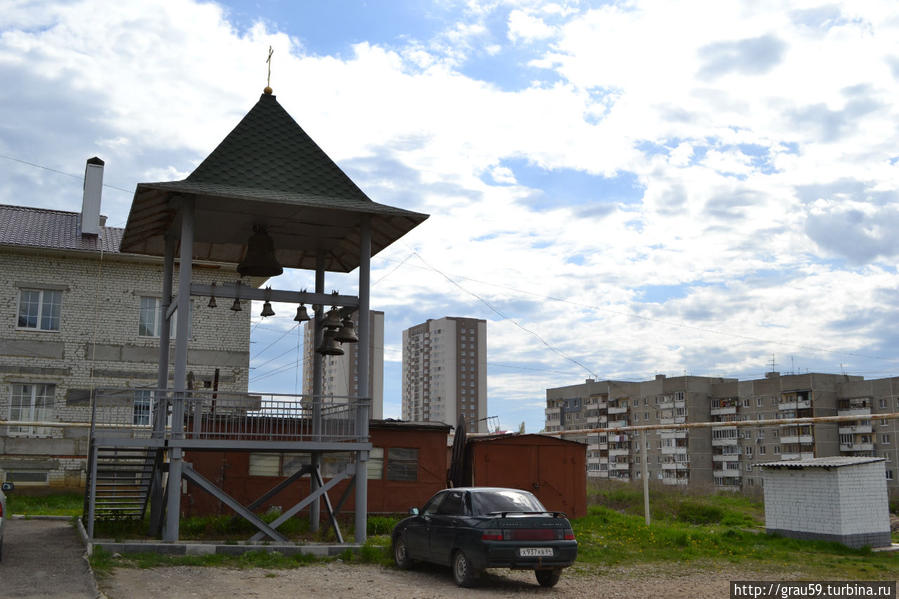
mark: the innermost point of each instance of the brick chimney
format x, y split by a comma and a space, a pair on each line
90, 204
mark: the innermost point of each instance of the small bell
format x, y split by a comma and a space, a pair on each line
235, 307
302, 315
329, 346
211, 303
267, 310
347, 332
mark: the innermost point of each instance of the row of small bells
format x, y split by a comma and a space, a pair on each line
337, 330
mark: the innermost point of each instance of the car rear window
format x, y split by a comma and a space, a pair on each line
485, 502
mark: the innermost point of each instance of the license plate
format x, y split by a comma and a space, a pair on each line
535, 552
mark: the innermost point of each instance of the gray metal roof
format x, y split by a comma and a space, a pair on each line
22, 226
267, 171
831, 462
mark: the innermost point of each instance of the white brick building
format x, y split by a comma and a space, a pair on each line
79, 315
842, 499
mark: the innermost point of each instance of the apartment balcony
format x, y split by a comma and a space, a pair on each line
617, 423
801, 439
854, 412
666, 404
617, 409
727, 472
597, 474
673, 434
855, 428
603, 420
795, 405
602, 405
619, 451
680, 403
603, 459
853, 447
676, 466
593, 460
619, 466
592, 421
674, 450
724, 442
724, 410
725, 457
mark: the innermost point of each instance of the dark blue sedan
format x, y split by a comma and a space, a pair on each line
474, 528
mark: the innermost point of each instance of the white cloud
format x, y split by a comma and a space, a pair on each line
525, 27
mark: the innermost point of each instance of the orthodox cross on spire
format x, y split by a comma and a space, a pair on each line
268, 80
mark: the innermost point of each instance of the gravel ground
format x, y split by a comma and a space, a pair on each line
337, 580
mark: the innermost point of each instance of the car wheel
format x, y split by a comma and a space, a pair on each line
463, 571
401, 553
548, 578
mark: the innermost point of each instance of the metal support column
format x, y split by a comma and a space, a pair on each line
185, 270
645, 452
92, 493
162, 380
315, 458
362, 415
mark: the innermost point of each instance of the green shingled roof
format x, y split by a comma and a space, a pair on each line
267, 171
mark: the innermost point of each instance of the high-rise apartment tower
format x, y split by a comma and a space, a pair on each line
445, 372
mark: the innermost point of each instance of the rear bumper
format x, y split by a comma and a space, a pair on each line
502, 555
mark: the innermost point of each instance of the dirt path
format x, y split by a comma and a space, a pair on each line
337, 580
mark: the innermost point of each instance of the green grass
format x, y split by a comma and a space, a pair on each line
59, 504
695, 528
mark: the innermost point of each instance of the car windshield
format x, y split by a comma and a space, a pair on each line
505, 500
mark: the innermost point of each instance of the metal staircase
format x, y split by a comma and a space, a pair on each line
124, 477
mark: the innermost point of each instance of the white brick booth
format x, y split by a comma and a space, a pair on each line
842, 499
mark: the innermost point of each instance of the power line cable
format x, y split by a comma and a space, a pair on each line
53, 170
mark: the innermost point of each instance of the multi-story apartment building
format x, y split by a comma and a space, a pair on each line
340, 374
78, 316
445, 372
724, 455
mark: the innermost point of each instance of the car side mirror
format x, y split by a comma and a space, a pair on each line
413, 511
7, 487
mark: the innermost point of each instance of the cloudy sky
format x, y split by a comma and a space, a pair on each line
619, 188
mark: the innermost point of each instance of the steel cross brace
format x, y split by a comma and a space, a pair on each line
195, 477
322, 490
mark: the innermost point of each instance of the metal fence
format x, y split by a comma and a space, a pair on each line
224, 415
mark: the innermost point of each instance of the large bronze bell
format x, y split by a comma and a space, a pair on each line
329, 346
347, 332
260, 260
332, 320
267, 310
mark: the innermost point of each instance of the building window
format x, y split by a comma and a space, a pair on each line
149, 324
141, 411
889, 474
762, 450
758, 403
375, 465
882, 403
39, 309
32, 403
885, 439
402, 464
